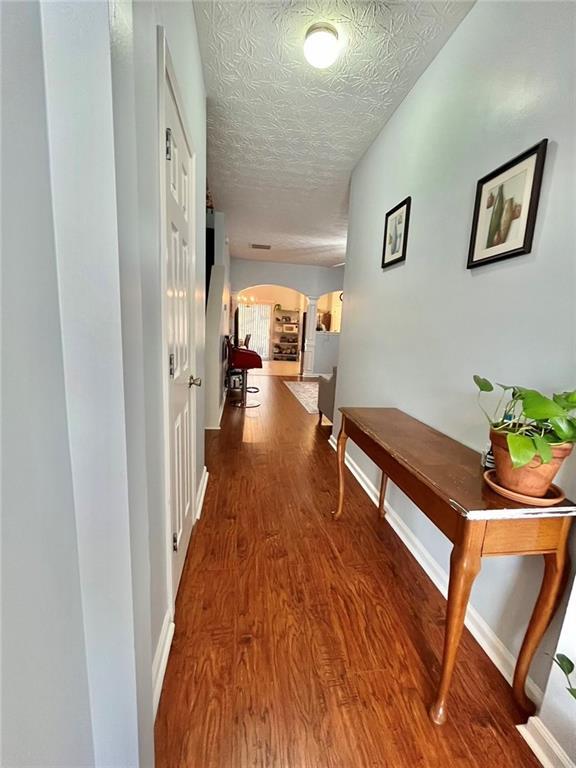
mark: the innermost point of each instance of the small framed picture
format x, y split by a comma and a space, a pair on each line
505, 208
396, 234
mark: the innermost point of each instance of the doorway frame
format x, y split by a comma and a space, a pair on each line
166, 72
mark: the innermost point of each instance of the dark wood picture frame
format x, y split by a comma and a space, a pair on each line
405, 203
539, 150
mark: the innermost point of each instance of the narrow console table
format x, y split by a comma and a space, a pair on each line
444, 479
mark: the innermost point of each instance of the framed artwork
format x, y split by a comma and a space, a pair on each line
505, 208
396, 234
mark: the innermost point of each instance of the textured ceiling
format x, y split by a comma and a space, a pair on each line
283, 137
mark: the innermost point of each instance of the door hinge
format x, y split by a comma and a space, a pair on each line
168, 144
175, 542
171, 365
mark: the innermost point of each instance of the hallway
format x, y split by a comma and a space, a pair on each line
304, 643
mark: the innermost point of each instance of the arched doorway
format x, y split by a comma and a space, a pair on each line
273, 317
329, 311
327, 338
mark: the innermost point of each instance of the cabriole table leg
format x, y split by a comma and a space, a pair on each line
342, 438
556, 566
464, 565
382, 498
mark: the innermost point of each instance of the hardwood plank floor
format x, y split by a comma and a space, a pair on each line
282, 368
306, 643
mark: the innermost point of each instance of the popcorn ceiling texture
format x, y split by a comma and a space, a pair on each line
284, 137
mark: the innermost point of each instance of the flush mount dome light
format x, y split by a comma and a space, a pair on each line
321, 46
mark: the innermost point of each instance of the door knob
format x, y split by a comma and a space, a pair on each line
192, 382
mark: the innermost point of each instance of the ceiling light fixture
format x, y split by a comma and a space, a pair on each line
321, 45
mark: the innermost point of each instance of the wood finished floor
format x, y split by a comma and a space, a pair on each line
283, 368
305, 643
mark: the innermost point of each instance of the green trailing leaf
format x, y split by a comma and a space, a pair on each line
565, 664
543, 448
539, 407
562, 402
483, 384
522, 449
564, 427
567, 667
567, 397
505, 387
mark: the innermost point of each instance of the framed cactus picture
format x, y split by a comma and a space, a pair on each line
396, 234
505, 208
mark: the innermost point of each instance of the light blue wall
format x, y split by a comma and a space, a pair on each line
415, 334
217, 321
80, 334
326, 351
308, 279
44, 676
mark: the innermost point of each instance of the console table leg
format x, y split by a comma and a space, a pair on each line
556, 566
464, 565
342, 438
382, 499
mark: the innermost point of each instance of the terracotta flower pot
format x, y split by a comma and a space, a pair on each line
535, 478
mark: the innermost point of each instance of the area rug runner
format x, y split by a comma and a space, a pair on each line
306, 392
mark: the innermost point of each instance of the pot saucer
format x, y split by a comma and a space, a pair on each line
554, 495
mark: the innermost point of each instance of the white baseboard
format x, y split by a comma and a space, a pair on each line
484, 635
201, 493
167, 632
213, 427
544, 745
161, 658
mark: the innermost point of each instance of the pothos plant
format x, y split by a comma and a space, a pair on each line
567, 667
532, 422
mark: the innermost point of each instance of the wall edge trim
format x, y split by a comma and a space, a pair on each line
160, 660
546, 748
201, 493
218, 425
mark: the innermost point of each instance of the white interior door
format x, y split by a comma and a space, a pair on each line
179, 264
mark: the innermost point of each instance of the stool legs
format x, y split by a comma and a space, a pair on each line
243, 402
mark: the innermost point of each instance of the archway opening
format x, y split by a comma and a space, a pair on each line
329, 314
271, 316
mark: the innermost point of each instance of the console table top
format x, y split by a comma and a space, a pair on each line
448, 467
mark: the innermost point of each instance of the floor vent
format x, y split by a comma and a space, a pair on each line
260, 246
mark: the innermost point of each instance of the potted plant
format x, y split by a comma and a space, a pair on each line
531, 436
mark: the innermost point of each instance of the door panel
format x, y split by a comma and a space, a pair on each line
179, 317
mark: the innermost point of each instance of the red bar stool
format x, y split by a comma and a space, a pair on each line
243, 360
247, 345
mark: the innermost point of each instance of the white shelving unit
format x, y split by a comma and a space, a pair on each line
286, 335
